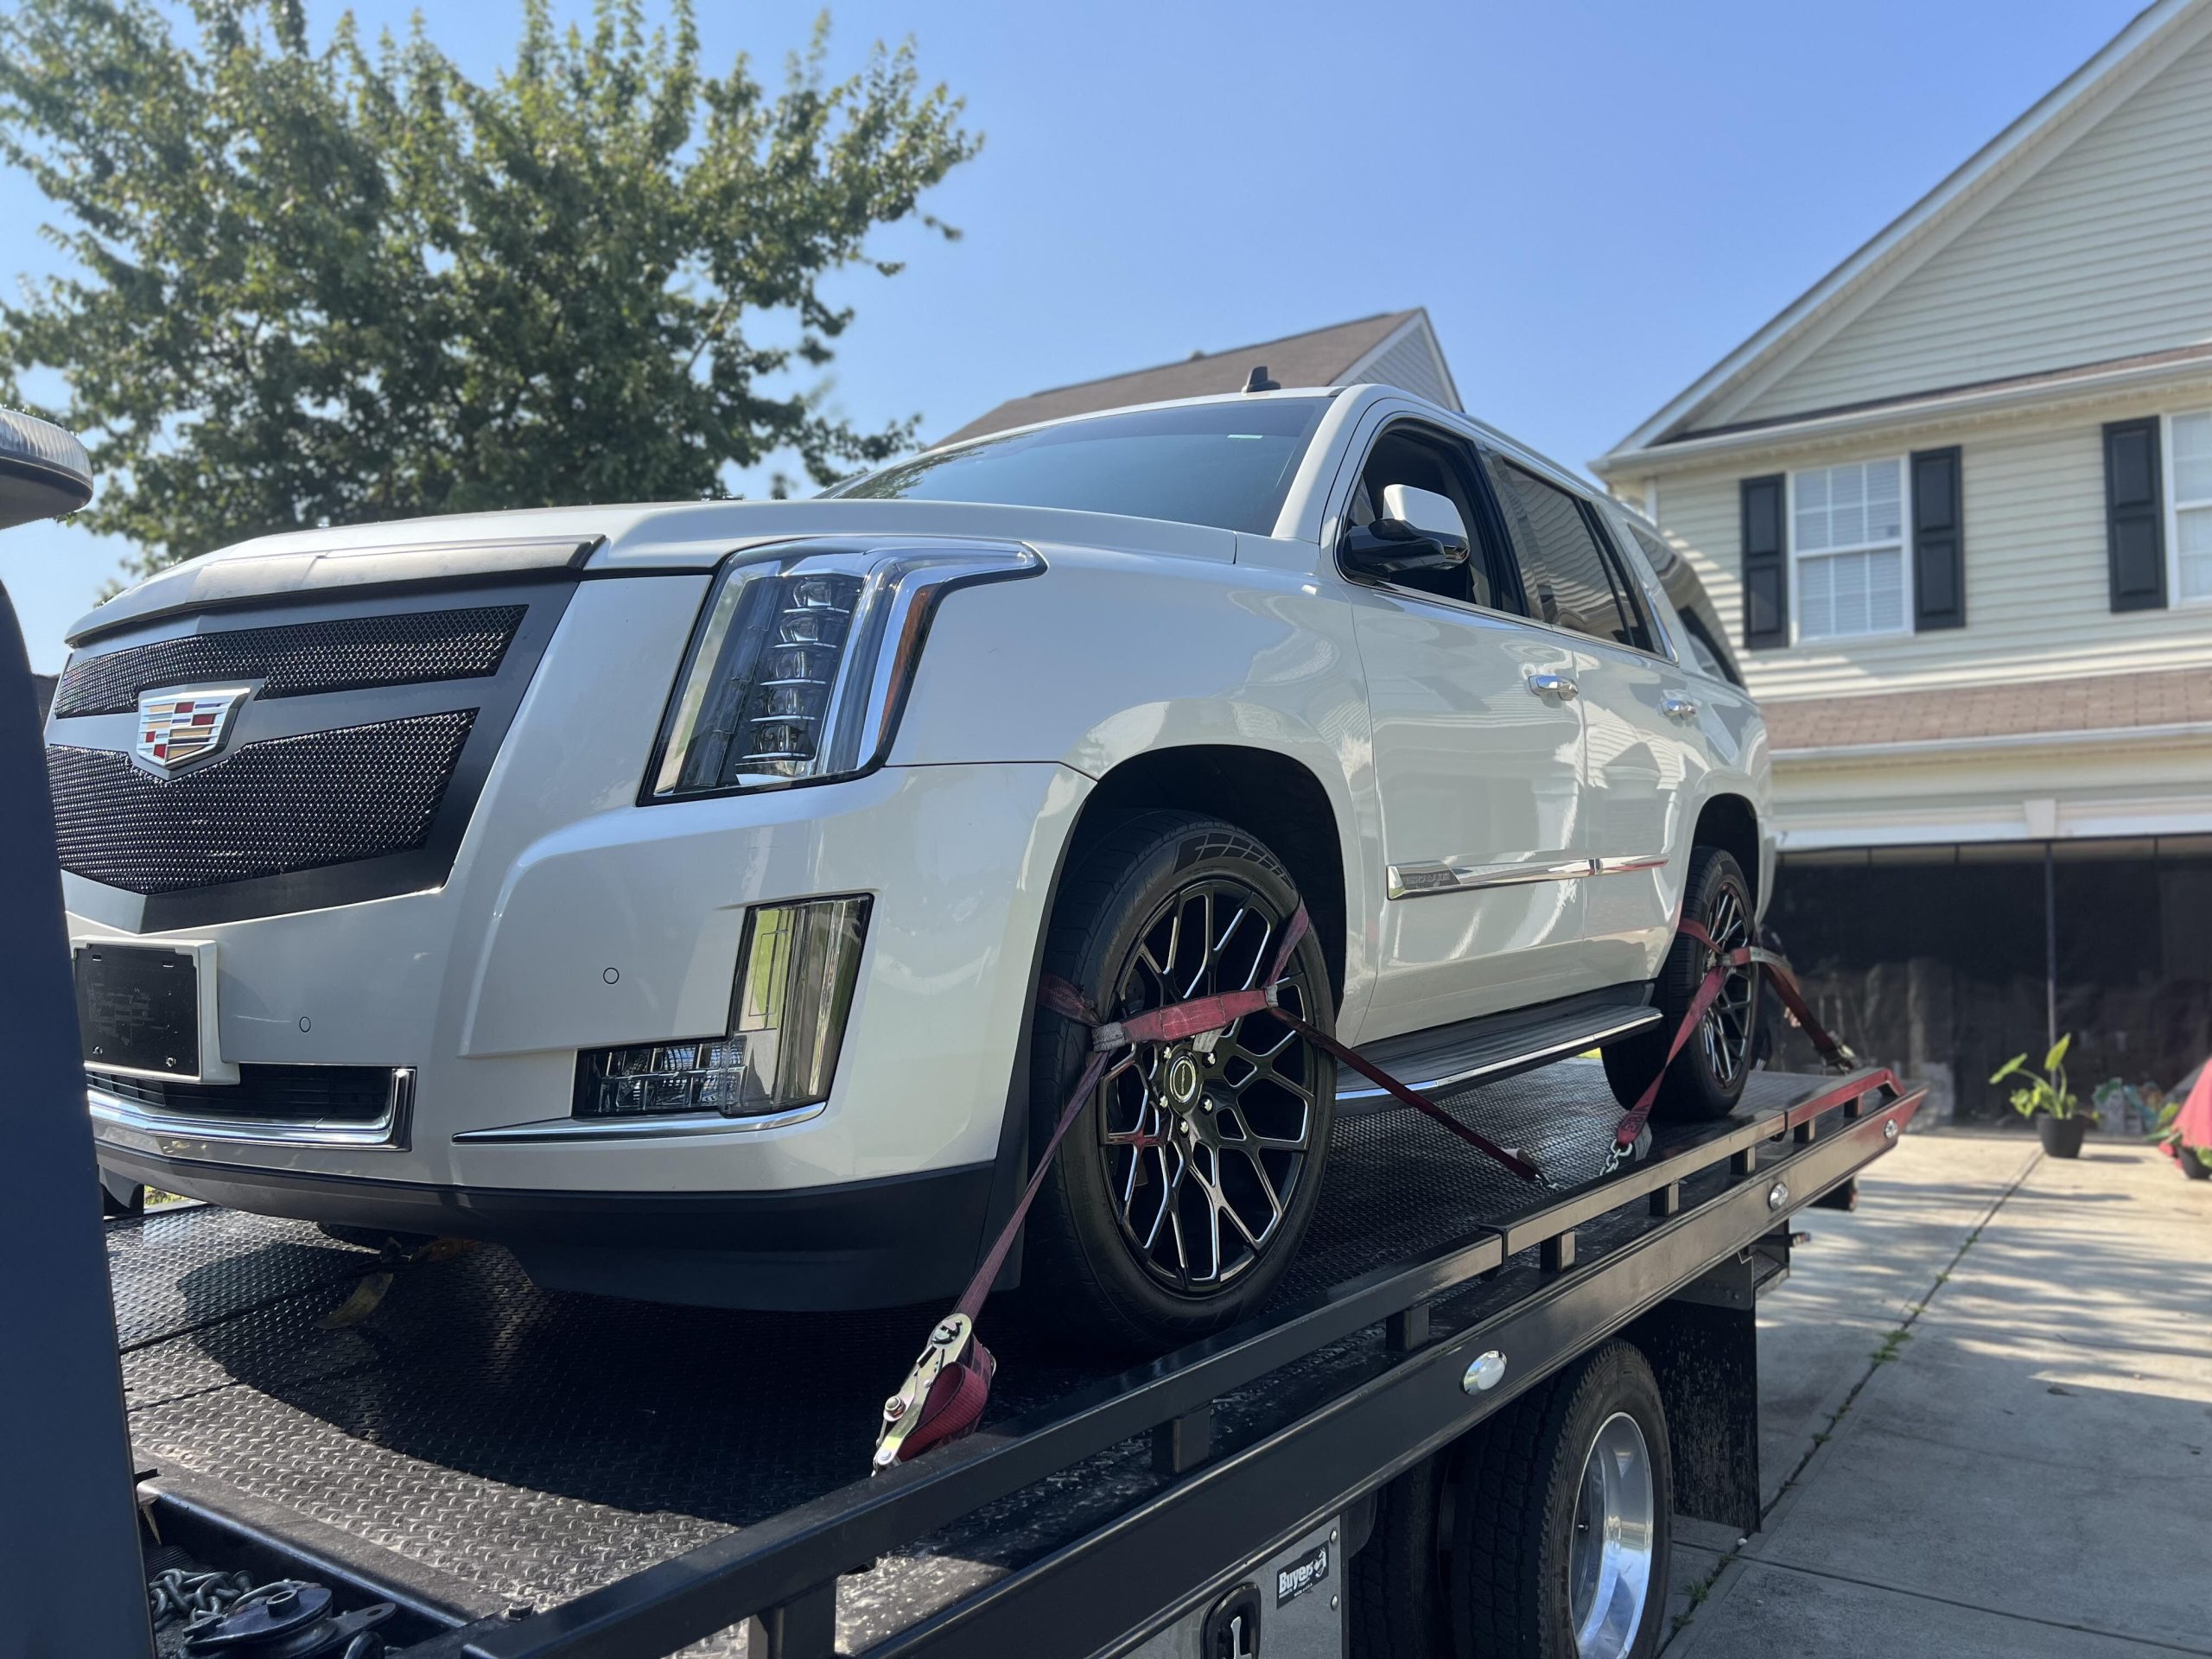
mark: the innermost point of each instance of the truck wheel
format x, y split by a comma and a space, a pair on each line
1561, 1519
1176, 1202
1706, 1078
1393, 1608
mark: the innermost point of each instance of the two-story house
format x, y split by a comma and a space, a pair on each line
1958, 498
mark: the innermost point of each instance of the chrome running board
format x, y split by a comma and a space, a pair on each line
1497, 1045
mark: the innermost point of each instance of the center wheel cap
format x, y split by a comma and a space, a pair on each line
1185, 1083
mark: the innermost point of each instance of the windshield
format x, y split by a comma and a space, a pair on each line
1228, 465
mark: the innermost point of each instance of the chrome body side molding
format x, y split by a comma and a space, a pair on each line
1428, 877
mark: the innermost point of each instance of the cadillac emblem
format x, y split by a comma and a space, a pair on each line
178, 726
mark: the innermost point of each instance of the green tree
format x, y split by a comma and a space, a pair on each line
338, 284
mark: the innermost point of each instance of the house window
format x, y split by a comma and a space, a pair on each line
2191, 473
1847, 543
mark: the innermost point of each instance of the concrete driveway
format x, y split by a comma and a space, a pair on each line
1987, 1396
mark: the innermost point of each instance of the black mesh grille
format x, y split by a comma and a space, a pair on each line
290, 803
284, 1093
346, 654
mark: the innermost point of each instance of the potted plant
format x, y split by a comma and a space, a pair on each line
2045, 1096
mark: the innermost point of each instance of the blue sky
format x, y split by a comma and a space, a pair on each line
1595, 202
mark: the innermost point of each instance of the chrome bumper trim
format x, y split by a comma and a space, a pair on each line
674, 1126
386, 1134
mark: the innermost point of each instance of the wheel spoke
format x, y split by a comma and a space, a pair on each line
1267, 1187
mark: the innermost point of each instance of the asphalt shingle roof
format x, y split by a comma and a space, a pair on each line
1310, 359
2099, 703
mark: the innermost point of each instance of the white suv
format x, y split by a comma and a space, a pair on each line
662, 891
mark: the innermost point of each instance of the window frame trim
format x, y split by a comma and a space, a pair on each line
1616, 567
2174, 506
1367, 430
1903, 545
1356, 456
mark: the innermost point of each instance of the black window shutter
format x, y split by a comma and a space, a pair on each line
2135, 516
1766, 564
1939, 551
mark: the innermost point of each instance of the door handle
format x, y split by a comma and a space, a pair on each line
1676, 708
1553, 685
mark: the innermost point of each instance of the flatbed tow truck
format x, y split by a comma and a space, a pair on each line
640, 1478
521, 1474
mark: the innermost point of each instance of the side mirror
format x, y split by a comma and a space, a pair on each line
1418, 530
43, 470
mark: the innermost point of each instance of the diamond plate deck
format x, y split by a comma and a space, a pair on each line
533, 1445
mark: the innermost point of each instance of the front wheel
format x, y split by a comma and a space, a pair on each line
1179, 1199
1706, 1078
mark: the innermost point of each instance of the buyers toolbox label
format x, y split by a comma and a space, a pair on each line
1308, 1572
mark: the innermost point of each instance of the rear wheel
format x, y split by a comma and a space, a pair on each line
1560, 1518
1706, 1078
1396, 1607
1179, 1197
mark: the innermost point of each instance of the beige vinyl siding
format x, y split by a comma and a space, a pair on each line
2105, 253
1410, 361
2039, 600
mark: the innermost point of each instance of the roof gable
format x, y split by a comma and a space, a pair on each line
1396, 347
1761, 378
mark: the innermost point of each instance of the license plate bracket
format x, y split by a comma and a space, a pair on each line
148, 1009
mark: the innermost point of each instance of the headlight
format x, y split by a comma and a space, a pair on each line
802, 655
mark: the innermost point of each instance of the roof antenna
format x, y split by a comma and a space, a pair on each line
1259, 382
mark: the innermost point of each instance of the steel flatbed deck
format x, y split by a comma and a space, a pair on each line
641, 1478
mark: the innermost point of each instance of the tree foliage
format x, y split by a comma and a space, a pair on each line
346, 284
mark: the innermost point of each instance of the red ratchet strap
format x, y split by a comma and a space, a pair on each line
943, 1395
1784, 979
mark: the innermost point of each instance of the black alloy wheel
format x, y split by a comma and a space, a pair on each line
1180, 1196
1206, 1141
1725, 1033
1707, 1077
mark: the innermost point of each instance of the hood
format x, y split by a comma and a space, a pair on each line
553, 541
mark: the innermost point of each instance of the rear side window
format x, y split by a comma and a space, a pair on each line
1700, 630
1570, 581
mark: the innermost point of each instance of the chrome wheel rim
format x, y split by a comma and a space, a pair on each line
1609, 1555
1204, 1147
1726, 1031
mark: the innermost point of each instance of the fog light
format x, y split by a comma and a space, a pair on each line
794, 976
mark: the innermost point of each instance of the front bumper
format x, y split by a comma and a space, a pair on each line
622, 927
878, 1243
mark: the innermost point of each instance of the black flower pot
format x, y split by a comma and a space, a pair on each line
2061, 1136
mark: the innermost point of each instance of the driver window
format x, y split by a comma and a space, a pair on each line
1410, 455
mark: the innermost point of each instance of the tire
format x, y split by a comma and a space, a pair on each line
1518, 1505
1706, 1078
1116, 1256
1394, 1606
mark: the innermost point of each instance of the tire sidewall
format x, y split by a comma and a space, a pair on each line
1621, 1387
1077, 1185
1514, 1482
1713, 871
